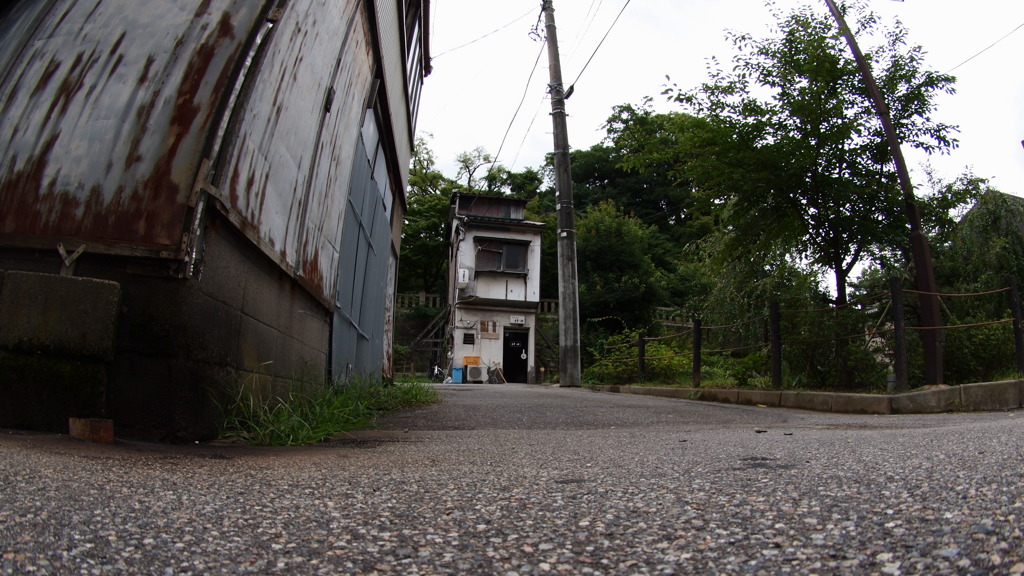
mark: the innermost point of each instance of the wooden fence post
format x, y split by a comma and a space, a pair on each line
900, 332
697, 340
775, 335
1018, 332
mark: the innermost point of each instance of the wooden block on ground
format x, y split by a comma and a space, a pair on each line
99, 430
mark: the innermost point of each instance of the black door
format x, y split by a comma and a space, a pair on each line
514, 360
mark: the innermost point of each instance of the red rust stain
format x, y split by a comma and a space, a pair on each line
70, 84
115, 55
44, 79
311, 273
152, 211
142, 115
310, 269
67, 10
156, 202
250, 183
146, 69
93, 11
22, 212
9, 96
233, 185
116, 46
116, 66
263, 192
201, 10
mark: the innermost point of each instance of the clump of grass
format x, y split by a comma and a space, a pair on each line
307, 414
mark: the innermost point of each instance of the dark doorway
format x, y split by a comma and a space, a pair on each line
515, 360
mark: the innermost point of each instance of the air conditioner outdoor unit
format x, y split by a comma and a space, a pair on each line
463, 278
475, 373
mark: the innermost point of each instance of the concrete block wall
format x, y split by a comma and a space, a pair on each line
189, 344
182, 345
57, 339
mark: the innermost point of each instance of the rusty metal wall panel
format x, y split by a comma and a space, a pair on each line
104, 113
339, 147
387, 368
287, 177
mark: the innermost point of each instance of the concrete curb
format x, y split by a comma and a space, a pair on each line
979, 397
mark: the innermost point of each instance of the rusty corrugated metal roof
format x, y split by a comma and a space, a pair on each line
104, 113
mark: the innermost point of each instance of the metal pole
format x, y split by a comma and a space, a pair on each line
568, 293
931, 314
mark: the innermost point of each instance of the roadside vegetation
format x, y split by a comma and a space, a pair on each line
308, 413
770, 183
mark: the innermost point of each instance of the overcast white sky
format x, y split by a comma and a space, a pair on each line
472, 95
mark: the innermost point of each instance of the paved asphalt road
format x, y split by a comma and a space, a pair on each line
517, 479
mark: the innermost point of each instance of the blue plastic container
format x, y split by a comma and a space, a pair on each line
457, 374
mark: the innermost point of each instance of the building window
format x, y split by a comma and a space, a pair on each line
468, 338
500, 256
489, 329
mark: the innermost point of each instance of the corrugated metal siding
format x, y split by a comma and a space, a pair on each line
106, 108
390, 26
388, 362
357, 338
288, 175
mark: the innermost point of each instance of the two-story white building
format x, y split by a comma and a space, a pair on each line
493, 288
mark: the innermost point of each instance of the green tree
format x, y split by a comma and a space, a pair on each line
618, 282
424, 259
948, 201
524, 185
795, 156
985, 249
469, 164
987, 245
649, 152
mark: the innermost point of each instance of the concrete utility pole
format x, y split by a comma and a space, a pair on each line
568, 292
931, 315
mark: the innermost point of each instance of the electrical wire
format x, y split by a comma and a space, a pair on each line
588, 21
518, 108
603, 38
527, 134
1019, 26
482, 37
535, 33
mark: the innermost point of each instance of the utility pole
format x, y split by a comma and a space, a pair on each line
924, 272
568, 292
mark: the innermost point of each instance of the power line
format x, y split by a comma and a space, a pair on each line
527, 134
588, 21
484, 36
1019, 26
571, 86
518, 108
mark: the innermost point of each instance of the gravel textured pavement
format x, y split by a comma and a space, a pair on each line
516, 479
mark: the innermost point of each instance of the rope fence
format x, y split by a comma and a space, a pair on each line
888, 331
